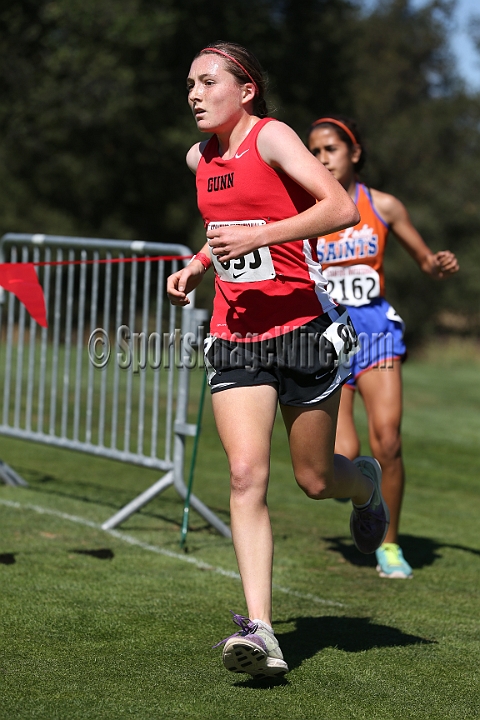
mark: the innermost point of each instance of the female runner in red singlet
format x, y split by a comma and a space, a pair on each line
276, 335
353, 263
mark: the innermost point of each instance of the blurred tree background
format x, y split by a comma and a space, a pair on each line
94, 124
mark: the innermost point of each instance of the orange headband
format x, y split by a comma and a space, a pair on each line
340, 125
220, 52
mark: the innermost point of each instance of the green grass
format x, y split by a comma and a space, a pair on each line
95, 627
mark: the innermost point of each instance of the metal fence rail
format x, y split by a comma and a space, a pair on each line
110, 375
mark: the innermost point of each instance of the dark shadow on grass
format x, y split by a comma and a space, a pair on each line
345, 547
423, 551
264, 684
7, 559
350, 634
419, 551
100, 554
311, 635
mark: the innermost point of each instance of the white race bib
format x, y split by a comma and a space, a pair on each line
253, 267
355, 285
343, 337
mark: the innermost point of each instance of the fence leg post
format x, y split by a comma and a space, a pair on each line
10, 477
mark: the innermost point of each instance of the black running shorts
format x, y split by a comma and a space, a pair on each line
306, 365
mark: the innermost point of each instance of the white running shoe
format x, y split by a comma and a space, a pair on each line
253, 650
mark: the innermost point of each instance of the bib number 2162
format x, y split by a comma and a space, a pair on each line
355, 285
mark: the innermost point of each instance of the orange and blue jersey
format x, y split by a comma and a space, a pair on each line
352, 259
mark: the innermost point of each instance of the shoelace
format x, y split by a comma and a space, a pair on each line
365, 517
392, 553
246, 625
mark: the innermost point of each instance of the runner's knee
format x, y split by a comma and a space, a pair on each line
386, 443
247, 478
316, 485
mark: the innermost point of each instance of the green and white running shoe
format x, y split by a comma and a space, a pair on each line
253, 650
391, 563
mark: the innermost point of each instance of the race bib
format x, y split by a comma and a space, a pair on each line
343, 337
355, 285
253, 267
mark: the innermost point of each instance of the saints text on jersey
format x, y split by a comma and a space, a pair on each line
352, 243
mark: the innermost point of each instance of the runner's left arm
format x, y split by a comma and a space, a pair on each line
440, 264
282, 149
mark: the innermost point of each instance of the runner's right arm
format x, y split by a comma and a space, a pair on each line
188, 278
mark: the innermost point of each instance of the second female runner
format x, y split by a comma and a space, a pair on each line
352, 261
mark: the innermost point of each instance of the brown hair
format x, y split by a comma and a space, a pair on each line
245, 67
335, 122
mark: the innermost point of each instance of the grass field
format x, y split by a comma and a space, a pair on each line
120, 625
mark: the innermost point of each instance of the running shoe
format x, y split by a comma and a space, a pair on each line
254, 649
369, 524
391, 563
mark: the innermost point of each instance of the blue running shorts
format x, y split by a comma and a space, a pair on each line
380, 332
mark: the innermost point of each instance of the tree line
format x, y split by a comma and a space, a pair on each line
94, 124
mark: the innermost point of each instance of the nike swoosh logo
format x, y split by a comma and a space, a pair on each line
239, 275
243, 153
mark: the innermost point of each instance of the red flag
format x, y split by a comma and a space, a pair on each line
21, 279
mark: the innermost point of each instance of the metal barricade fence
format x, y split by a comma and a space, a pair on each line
110, 375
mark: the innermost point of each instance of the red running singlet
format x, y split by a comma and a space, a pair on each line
272, 290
